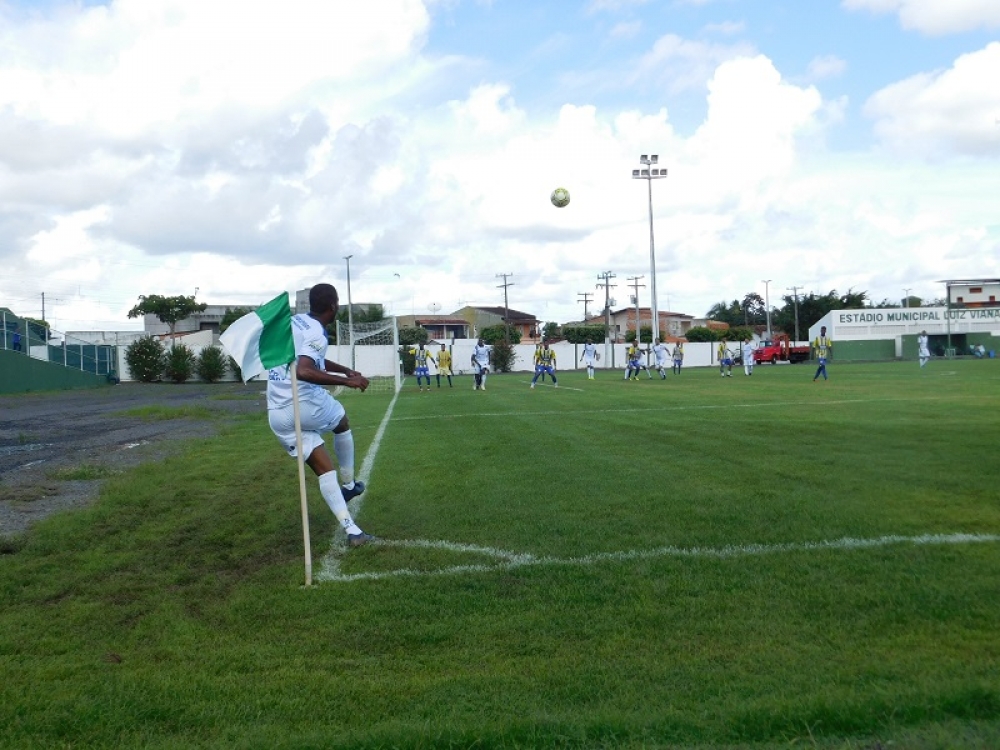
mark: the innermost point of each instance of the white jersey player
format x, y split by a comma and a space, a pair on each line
319, 411
480, 364
589, 356
661, 352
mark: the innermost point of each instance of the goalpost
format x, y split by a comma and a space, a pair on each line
373, 350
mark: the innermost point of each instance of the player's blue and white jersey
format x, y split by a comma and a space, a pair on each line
310, 340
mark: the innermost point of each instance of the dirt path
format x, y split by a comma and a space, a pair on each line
51, 444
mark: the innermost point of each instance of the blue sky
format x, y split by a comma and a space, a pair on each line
243, 148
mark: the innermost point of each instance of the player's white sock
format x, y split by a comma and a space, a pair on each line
343, 446
330, 489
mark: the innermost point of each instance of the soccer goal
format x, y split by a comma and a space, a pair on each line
373, 350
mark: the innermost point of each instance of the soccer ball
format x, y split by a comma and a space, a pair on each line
560, 197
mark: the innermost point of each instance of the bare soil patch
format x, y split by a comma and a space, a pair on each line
57, 447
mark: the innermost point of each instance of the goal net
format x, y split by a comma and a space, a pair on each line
373, 350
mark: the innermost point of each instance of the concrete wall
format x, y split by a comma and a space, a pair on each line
21, 374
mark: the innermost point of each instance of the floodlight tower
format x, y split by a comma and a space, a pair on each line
649, 172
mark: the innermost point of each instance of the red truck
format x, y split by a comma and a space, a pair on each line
780, 350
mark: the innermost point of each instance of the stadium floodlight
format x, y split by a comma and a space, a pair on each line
906, 299
649, 173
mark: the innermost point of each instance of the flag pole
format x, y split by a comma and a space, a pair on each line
302, 472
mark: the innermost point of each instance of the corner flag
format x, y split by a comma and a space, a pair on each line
261, 339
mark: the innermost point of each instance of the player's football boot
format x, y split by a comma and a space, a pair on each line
359, 540
350, 494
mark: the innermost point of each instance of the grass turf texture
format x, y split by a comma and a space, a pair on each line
671, 598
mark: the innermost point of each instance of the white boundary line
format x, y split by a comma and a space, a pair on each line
671, 408
502, 560
330, 564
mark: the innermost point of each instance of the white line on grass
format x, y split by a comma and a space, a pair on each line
561, 388
644, 409
330, 565
504, 560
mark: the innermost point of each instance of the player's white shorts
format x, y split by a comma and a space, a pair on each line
318, 415
482, 369
661, 364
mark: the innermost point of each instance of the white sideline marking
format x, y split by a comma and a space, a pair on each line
504, 560
645, 409
330, 564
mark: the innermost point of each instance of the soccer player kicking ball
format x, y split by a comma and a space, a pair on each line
320, 412
545, 363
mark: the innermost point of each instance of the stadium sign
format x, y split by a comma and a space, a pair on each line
916, 315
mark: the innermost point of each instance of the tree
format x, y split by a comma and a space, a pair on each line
550, 331
232, 315
492, 334
37, 329
582, 334
168, 310
727, 312
700, 333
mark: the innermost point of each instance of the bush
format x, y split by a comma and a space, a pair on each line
211, 364
180, 363
235, 369
503, 356
146, 359
580, 334
493, 335
700, 333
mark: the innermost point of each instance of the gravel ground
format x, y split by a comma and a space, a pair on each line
51, 443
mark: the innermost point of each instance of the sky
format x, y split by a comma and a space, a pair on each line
235, 149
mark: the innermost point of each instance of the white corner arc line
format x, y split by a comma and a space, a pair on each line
505, 560
330, 564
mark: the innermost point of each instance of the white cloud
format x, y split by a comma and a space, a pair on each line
935, 16
826, 66
207, 181
942, 112
725, 28
679, 64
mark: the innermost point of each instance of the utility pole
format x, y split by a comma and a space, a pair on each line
767, 307
506, 313
607, 276
586, 301
795, 290
906, 299
638, 323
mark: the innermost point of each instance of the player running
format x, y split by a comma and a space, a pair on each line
635, 363
660, 350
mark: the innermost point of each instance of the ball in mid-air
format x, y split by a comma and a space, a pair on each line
560, 197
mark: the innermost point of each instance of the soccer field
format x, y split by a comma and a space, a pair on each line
760, 561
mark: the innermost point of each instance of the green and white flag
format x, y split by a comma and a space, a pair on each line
262, 339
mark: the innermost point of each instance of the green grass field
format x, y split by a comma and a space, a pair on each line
704, 562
